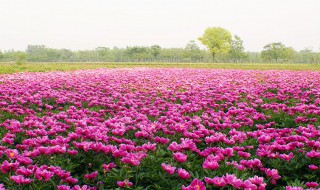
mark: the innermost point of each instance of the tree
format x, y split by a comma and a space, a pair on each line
192, 51
289, 54
103, 53
217, 40
236, 52
1, 55
66, 54
138, 53
277, 52
307, 55
36, 53
19, 57
155, 50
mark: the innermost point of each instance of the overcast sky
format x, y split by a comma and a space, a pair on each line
86, 24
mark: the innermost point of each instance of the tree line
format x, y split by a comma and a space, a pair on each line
221, 47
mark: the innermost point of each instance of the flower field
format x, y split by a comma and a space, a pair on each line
146, 128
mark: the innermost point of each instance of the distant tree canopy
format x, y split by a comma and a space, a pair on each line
137, 52
308, 56
277, 52
217, 40
236, 52
155, 50
192, 51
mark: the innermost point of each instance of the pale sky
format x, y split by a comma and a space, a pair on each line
87, 24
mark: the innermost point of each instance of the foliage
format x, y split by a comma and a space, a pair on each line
217, 40
308, 56
237, 53
20, 57
155, 50
192, 51
277, 52
103, 53
137, 52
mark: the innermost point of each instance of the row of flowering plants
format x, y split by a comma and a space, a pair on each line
160, 129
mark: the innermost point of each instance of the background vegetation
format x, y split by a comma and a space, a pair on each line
221, 47
272, 53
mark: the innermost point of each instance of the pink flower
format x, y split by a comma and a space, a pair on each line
233, 180
195, 185
183, 174
84, 187
256, 180
161, 140
43, 174
149, 146
2, 187
91, 176
217, 181
168, 168
313, 167
244, 154
312, 184
63, 187
20, 180
108, 167
180, 157
174, 146
24, 171
272, 174
24, 160
72, 152
71, 180
6, 166
125, 183
133, 159
287, 157
212, 165
248, 185
12, 154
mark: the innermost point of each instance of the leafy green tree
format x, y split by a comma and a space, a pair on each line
139, 53
103, 53
155, 50
307, 55
217, 40
36, 53
192, 51
237, 52
20, 57
66, 55
289, 54
277, 52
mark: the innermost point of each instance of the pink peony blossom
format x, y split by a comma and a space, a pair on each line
91, 176
183, 174
168, 168
20, 180
125, 183
196, 184
180, 157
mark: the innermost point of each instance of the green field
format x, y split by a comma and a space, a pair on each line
8, 68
